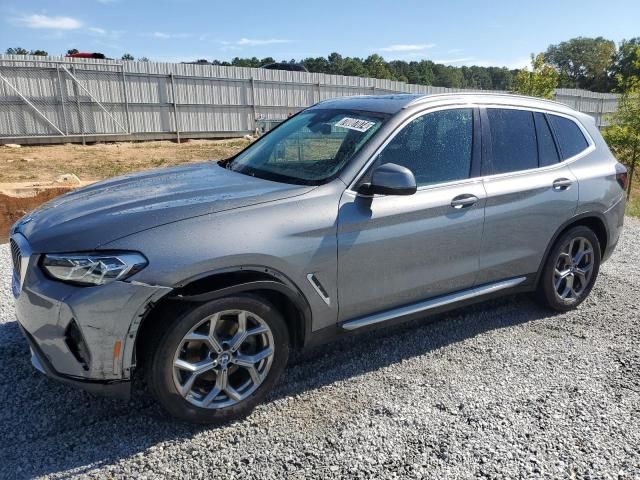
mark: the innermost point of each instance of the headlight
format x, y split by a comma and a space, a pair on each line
96, 268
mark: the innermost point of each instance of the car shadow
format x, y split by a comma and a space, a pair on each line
46, 427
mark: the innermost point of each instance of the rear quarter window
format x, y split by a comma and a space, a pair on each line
571, 140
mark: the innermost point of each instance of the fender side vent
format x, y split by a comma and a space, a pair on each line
317, 286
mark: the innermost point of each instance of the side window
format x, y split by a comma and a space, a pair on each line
547, 152
436, 147
570, 138
514, 140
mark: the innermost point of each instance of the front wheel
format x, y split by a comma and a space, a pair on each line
216, 362
571, 269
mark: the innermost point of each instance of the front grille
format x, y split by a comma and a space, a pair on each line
16, 257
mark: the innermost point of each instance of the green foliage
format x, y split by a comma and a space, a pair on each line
623, 136
626, 64
424, 72
17, 51
72, 51
583, 62
128, 56
24, 51
541, 81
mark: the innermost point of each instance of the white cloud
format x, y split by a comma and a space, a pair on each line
51, 23
101, 32
254, 42
510, 64
398, 47
165, 36
453, 61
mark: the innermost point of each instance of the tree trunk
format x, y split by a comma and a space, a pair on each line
632, 169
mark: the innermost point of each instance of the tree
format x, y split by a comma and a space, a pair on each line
623, 136
39, 53
128, 56
626, 63
583, 62
73, 51
374, 66
143, 59
17, 51
541, 81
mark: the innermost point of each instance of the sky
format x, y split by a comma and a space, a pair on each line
463, 32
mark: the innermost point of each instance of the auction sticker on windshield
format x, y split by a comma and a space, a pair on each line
355, 124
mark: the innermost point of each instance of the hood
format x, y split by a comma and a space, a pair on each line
100, 213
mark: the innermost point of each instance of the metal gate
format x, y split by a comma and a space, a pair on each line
62, 99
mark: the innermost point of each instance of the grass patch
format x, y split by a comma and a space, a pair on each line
633, 203
633, 207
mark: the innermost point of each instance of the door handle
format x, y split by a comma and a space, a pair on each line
561, 184
463, 201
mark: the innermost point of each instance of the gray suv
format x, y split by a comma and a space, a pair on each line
355, 213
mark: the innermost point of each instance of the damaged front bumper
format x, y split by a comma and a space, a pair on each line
83, 335
114, 388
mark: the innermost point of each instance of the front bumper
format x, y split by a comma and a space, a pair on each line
82, 335
115, 388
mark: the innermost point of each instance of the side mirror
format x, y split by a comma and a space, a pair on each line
390, 179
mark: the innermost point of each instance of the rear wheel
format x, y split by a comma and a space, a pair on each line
571, 269
216, 362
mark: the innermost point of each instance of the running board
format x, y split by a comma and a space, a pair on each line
431, 304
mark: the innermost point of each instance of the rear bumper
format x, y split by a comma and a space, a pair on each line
615, 220
117, 389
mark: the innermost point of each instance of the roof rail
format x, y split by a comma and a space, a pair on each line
434, 96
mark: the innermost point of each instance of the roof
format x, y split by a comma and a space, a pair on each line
372, 103
394, 103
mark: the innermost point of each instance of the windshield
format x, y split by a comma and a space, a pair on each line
310, 148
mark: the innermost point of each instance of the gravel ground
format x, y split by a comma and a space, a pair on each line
500, 390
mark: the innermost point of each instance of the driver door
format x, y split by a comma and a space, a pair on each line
397, 250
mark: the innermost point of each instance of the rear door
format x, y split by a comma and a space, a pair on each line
530, 192
398, 250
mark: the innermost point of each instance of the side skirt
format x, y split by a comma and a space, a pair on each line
432, 304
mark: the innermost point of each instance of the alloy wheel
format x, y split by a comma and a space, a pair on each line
573, 269
223, 359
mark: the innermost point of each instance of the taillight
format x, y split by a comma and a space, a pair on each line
622, 176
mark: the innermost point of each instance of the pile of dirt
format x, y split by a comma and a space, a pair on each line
12, 208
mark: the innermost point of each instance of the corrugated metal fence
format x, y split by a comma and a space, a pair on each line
55, 99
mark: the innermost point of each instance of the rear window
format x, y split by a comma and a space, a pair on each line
513, 137
570, 138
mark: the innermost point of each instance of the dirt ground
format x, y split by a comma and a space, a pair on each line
28, 174
103, 160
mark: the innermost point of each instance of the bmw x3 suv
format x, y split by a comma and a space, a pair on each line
355, 213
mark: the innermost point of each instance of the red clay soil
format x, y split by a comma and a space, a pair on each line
13, 208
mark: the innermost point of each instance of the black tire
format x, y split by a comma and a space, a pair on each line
546, 293
160, 376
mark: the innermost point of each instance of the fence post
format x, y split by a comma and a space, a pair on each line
252, 84
176, 119
75, 93
126, 100
64, 113
319, 93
